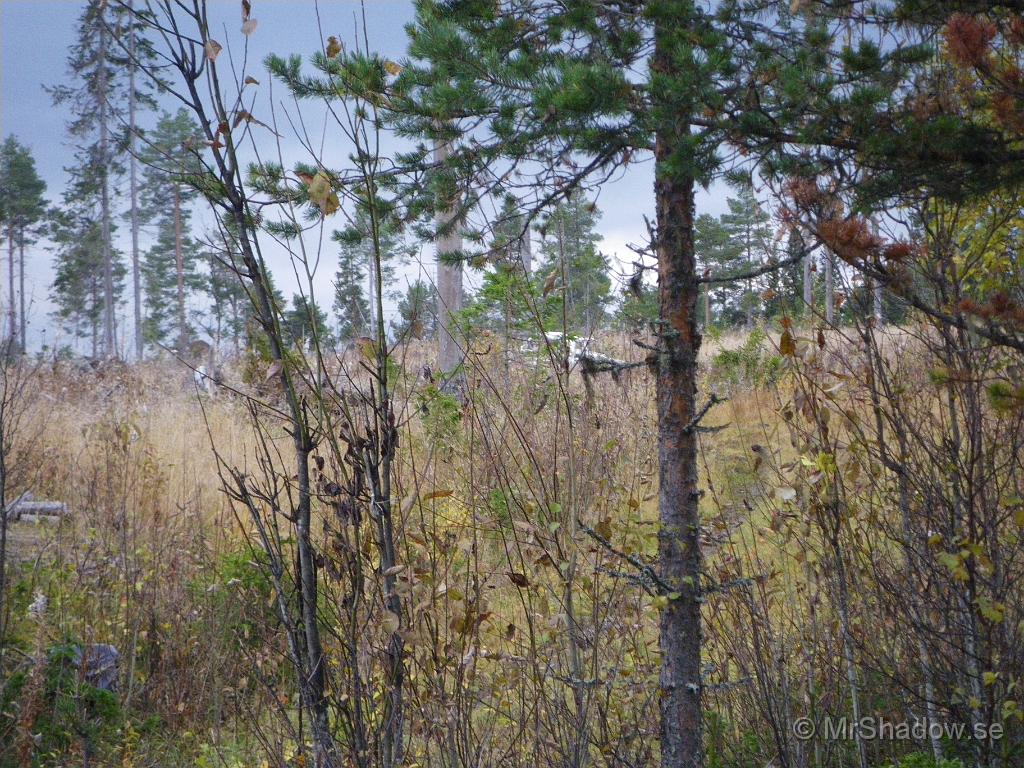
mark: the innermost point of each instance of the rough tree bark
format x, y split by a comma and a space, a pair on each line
105, 245
12, 320
449, 282
179, 268
808, 282
830, 287
678, 541
133, 190
22, 322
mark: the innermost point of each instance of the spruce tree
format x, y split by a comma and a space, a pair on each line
78, 287
717, 254
570, 259
747, 227
784, 293
351, 308
507, 294
304, 321
417, 318
356, 268
230, 305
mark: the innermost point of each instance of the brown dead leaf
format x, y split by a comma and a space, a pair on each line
787, 346
518, 579
274, 369
549, 282
212, 49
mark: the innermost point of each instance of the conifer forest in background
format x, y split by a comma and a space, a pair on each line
344, 434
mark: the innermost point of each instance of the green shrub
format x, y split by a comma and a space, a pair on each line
753, 364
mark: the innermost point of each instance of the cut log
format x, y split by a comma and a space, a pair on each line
24, 508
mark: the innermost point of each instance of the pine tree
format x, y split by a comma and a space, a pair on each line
570, 259
22, 210
170, 266
135, 60
568, 93
95, 125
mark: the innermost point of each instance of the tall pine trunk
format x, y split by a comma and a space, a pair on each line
808, 283
526, 251
22, 323
134, 190
678, 295
179, 269
105, 245
830, 288
12, 320
449, 281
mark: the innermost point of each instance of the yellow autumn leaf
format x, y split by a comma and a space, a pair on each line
322, 194
390, 622
439, 494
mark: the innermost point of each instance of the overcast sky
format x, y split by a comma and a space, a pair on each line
34, 39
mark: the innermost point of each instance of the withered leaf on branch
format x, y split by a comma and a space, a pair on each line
212, 48
321, 194
787, 346
518, 579
549, 282
273, 370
